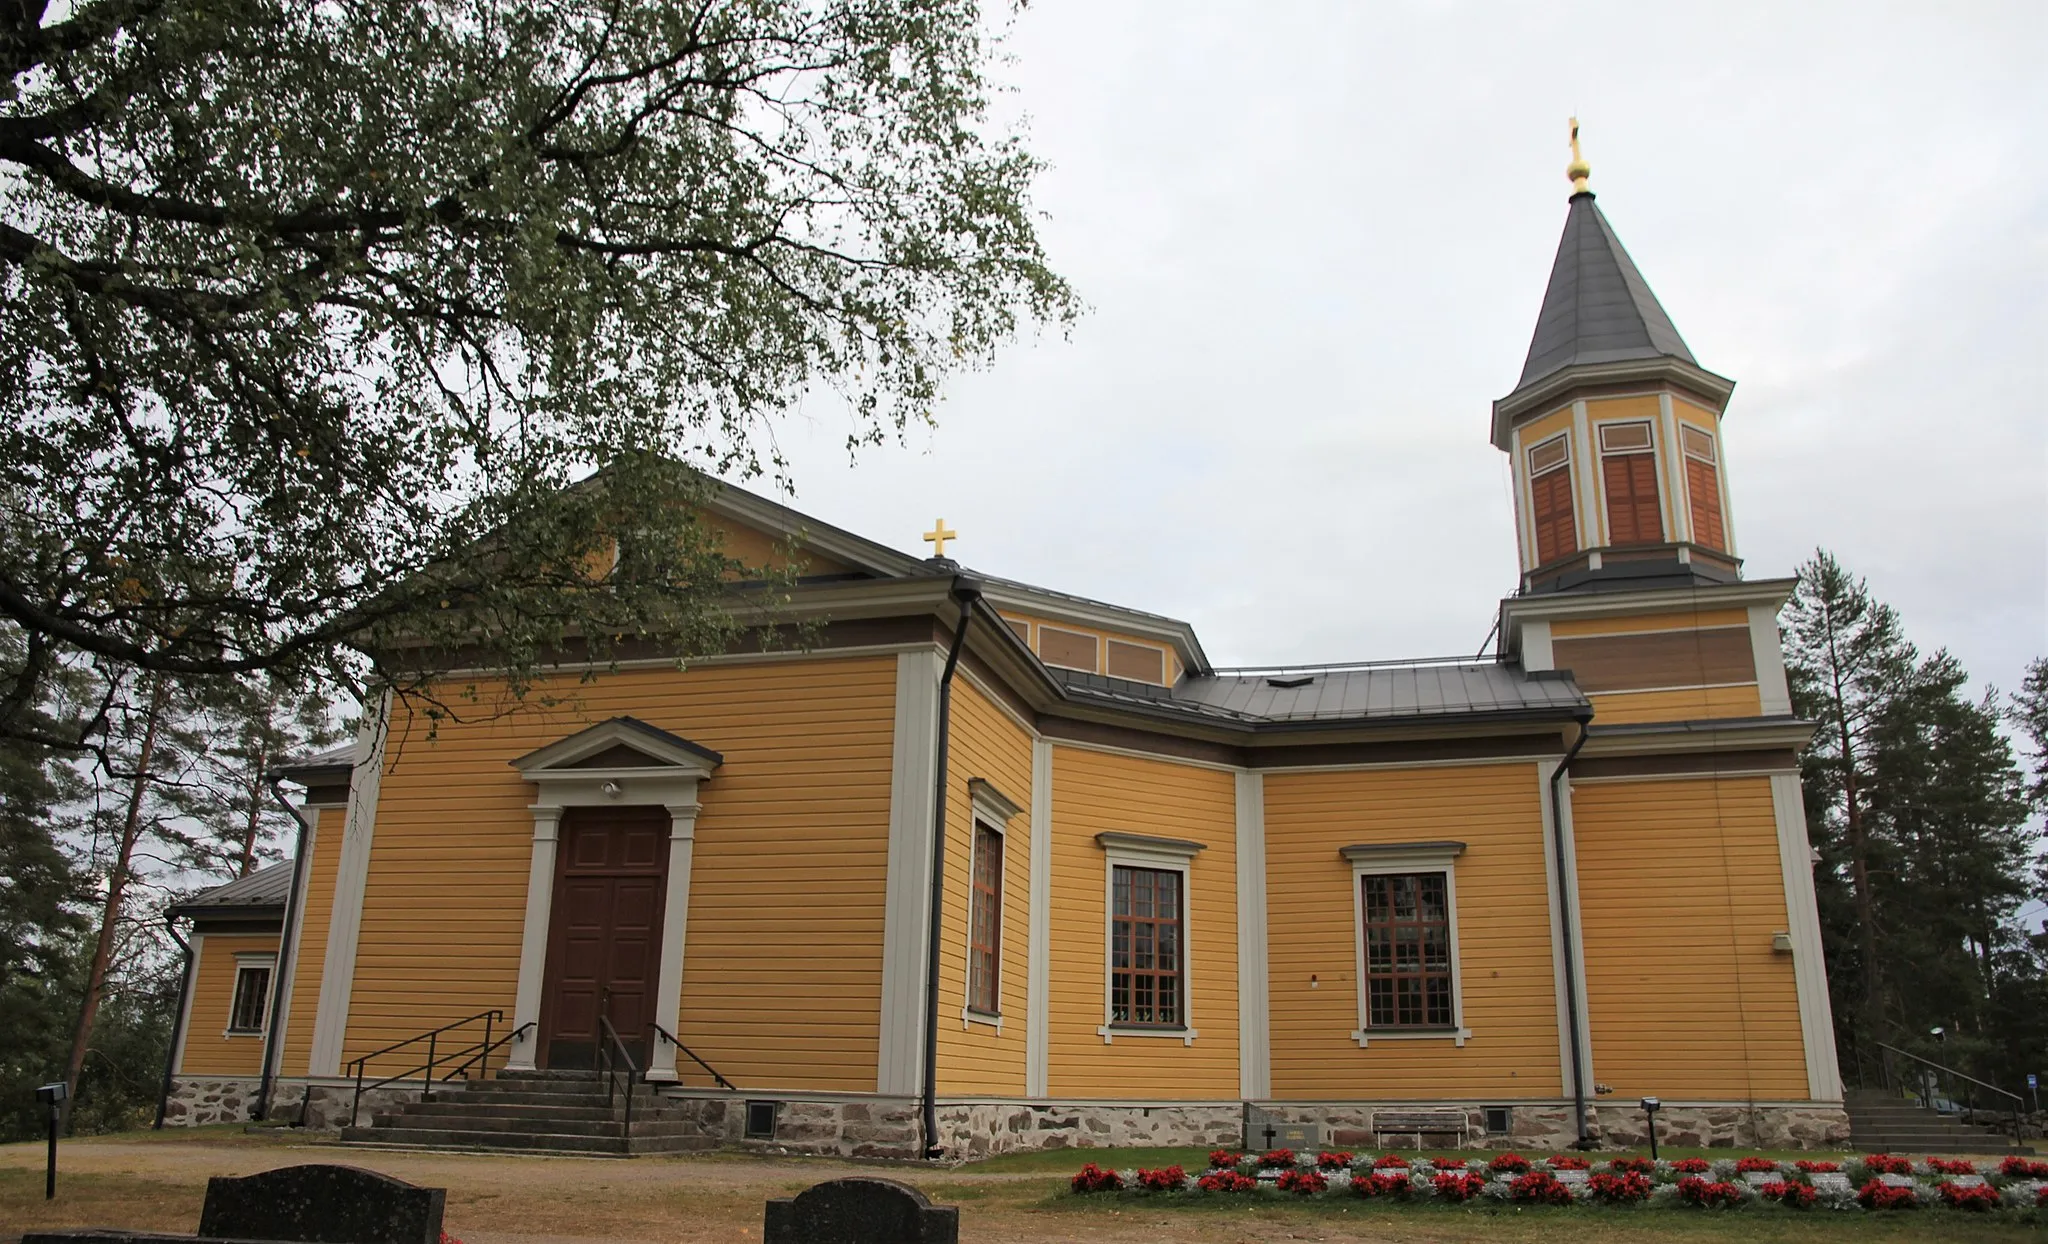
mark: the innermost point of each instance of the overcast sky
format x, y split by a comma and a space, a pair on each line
1313, 239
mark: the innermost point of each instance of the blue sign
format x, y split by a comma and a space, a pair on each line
2033, 1081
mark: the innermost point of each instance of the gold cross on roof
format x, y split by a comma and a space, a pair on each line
938, 536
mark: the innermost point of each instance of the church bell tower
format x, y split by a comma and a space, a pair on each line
1614, 429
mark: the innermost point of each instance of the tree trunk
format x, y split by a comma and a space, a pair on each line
117, 889
1859, 856
256, 780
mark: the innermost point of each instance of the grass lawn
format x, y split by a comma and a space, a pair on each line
157, 1181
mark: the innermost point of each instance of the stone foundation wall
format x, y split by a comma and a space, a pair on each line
329, 1108
197, 1101
877, 1127
983, 1129
1797, 1125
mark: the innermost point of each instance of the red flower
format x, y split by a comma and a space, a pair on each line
1691, 1166
1979, 1197
1337, 1161
1094, 1179
1623, 1189
2017, 1167
1539, 1188
1745, 1166
449, 1239
1633, 1166
1224, 1159
1509, 1164
1227, 1181
1277, 1157
1877, 1194
1303, 1183
1817, 1168
2041, 1199
1391, 1162
1565, 1162
1796, 1195
1951, 1166
1696, 1191
1165, 1179
1455, 1186
1886, 1164
1386, 1184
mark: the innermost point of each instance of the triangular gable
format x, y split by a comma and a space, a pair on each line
758, 526
622, 743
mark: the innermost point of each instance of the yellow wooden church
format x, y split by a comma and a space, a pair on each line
988, 866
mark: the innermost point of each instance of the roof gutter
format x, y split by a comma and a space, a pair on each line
273, 1034
966, 592
1566, 901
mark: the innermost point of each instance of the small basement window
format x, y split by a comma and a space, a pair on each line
761, 1119
1500, 1120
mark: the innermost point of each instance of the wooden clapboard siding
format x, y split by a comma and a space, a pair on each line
1565, 628
782, 975
1688, 704
314, 923
1708, 656
986, 743
1094, 792
209, 1049
1643, 406
1680, 889
755, 550
1506, 979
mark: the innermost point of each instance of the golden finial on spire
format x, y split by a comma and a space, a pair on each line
1578, 170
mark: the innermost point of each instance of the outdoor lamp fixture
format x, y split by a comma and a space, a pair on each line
1650, 1107
1938, 1033
53, 1096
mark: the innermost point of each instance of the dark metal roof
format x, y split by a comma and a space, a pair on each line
1598, 308
265, 889
1380, 691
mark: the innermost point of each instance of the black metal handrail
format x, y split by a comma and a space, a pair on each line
1924, 1090
360, 1067
709, 1070
611, 1052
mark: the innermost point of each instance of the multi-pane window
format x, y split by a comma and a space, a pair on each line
1407, 950
1703, 489
1146, 956
985, 923
252, 998
1628, 467
1550, 497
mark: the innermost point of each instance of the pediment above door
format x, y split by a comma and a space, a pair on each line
623, 760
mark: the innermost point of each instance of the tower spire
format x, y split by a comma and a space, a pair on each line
1578, 170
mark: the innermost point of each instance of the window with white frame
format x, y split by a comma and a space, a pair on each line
985, 921
1406, 913
250, 1007
1147, 977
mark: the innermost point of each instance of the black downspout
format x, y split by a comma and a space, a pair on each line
271, 1051
163, 1099
1565, 891
966, 592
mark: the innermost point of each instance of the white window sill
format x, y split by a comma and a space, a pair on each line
970, 1017
1365, 1036
1109, 1033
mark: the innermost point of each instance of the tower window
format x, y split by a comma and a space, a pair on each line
1703, 489
1628, 468
1550, 500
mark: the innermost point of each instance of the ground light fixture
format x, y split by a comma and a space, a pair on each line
1650, 1107
52, 1096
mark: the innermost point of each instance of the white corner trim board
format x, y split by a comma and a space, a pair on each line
1254, 1031
1802, 913
1038, 964
352, 875
913, 769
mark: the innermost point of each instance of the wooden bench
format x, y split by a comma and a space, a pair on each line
1420, 1123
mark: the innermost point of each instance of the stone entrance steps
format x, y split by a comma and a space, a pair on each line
1881, 1122
536, 1112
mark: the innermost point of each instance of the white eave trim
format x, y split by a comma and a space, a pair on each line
1701, 736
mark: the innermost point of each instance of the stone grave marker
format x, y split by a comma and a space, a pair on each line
860, 1211
1966, 1181
1897, 1181
1832, 1181
1757, 1179
312, 1204
1574, 1179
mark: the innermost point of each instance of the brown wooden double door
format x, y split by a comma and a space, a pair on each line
604, 934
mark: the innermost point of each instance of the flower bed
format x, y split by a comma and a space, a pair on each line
1877, 1183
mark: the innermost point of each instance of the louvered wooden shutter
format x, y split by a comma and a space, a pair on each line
1557, 529
1703, 482
1633, 516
